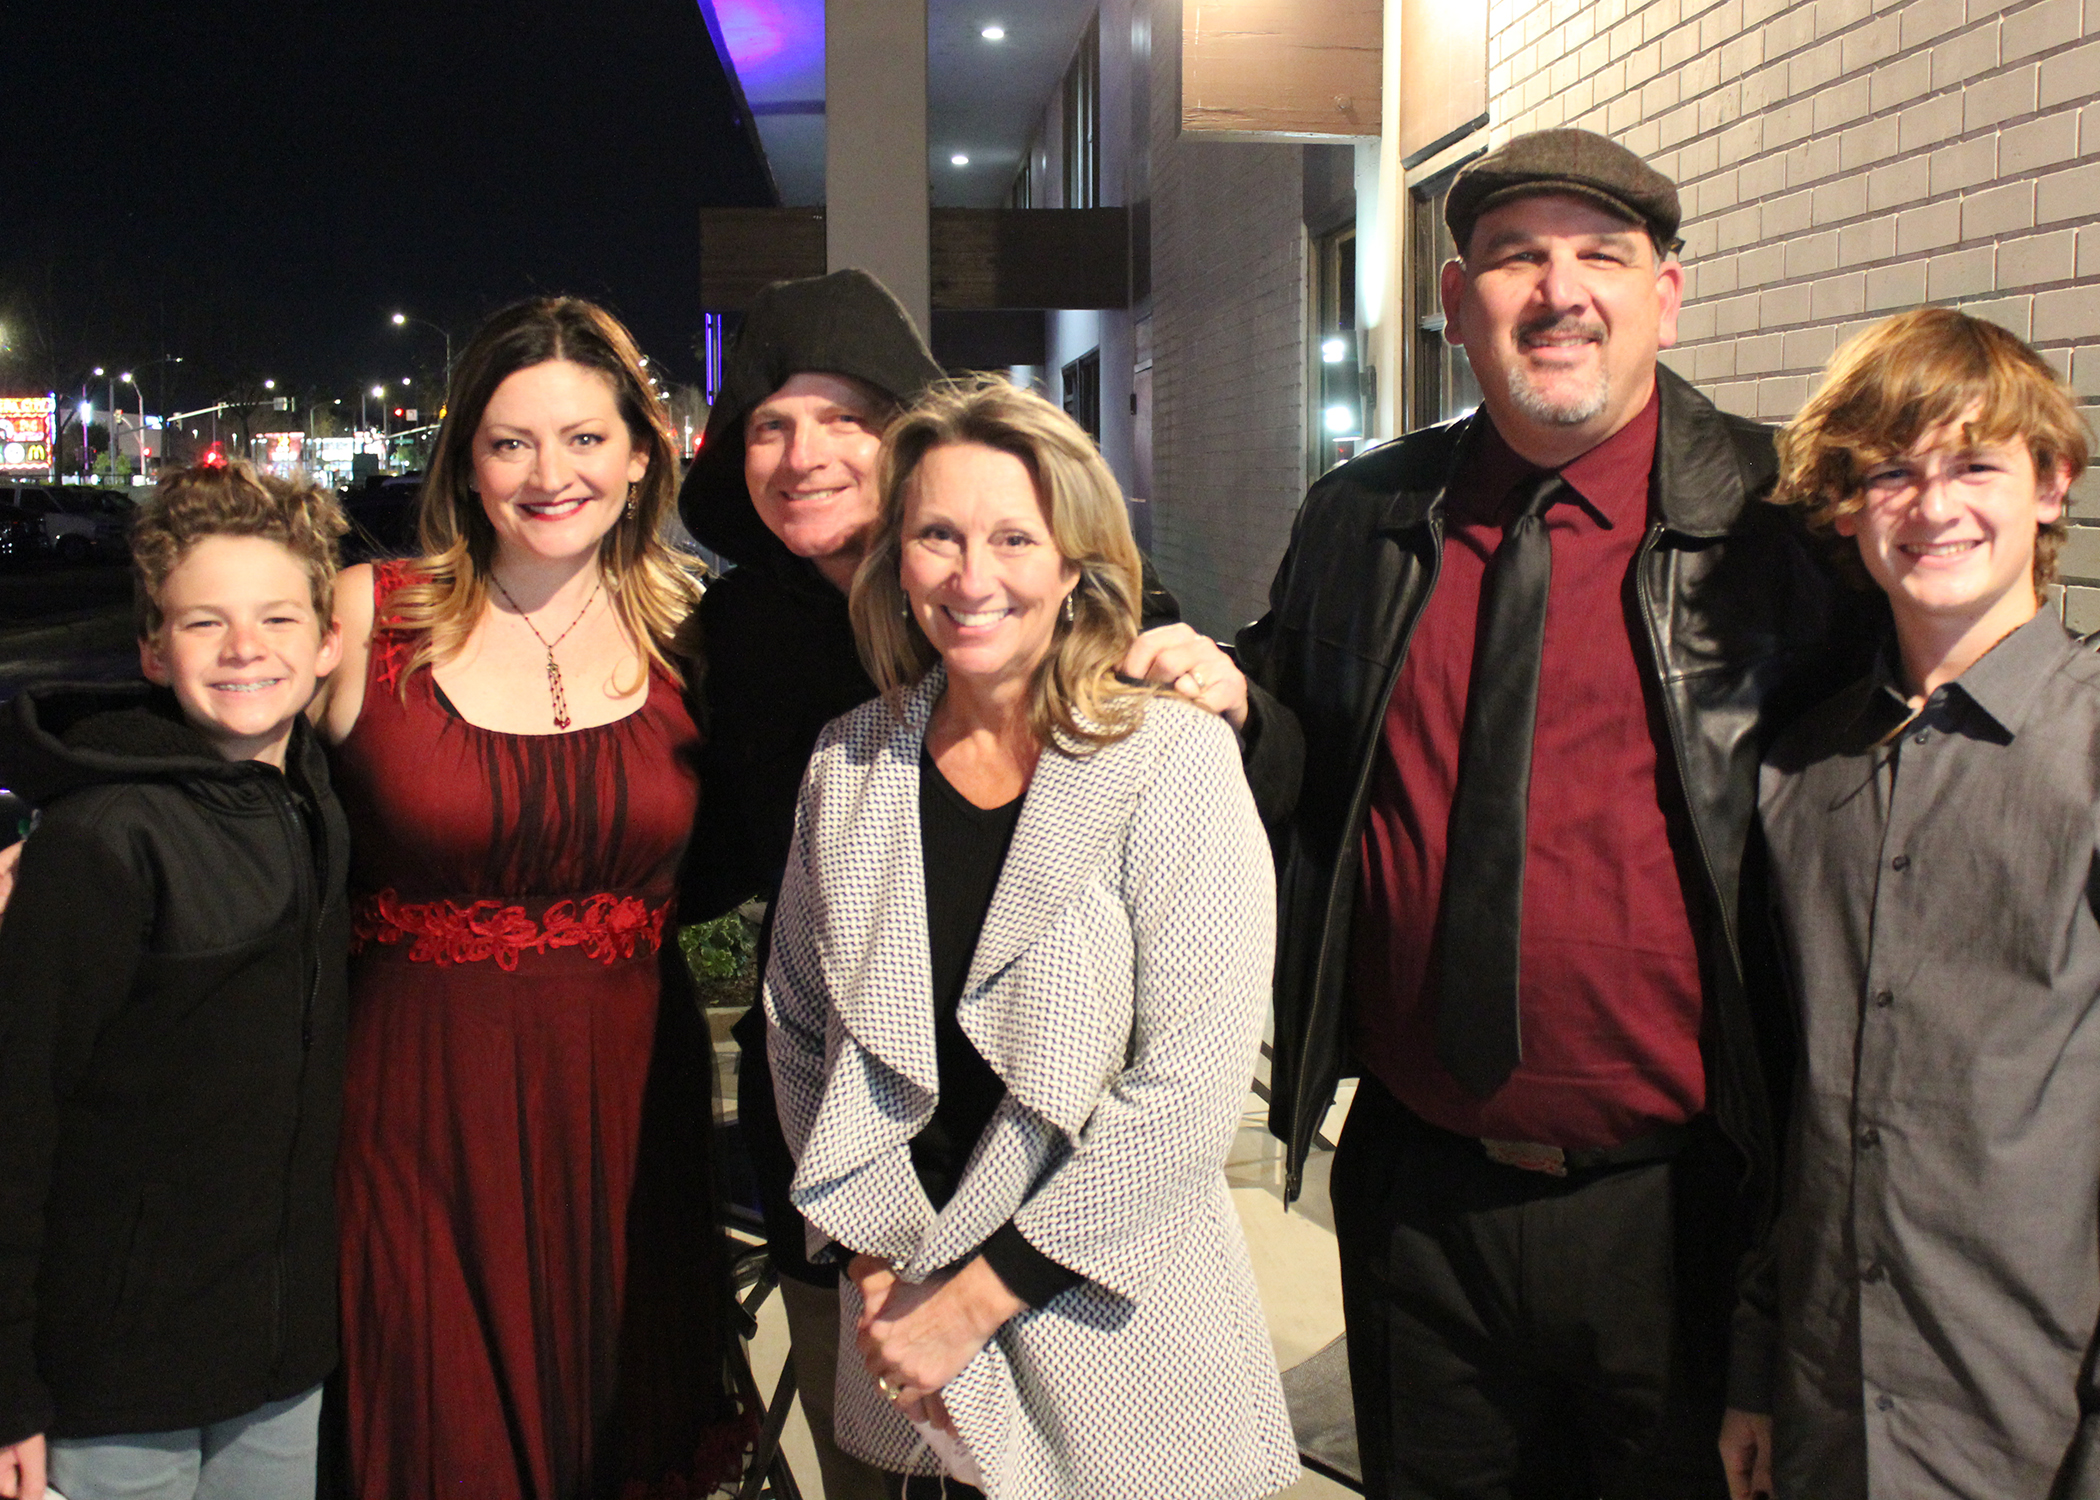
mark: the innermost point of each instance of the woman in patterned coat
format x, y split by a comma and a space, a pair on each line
1018, 973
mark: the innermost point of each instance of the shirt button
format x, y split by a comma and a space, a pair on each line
1869, 1138
1884, 1403
1921, 737
1874, 1274
1883, 999
1900, 862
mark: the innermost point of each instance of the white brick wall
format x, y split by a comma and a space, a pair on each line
1842, 160
1228, 352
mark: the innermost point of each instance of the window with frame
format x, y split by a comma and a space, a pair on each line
1440, 382
1082, 383
1082, 121
1336, 417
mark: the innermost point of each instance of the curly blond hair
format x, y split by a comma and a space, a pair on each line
233, 499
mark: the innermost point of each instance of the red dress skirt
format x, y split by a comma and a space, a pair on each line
531, 1270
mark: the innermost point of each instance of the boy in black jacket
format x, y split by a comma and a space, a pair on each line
172, 998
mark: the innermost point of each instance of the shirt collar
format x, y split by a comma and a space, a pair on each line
2002, 683
1610, 481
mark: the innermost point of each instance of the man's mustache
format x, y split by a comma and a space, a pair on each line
1560, 328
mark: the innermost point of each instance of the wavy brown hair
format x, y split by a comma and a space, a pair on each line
232, 500
1076, 701
651, 585
1903, 378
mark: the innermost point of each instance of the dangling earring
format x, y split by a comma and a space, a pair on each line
630, 500
1068, 606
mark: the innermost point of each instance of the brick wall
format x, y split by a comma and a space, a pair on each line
1841, 161
1228, 352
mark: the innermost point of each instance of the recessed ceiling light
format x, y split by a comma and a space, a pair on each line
993, 33
959, 160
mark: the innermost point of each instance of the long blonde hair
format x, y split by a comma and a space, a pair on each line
651, 586
1076, 701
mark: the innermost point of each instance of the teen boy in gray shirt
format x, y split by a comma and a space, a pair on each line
1925, 1319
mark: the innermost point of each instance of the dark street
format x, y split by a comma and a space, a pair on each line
60, 622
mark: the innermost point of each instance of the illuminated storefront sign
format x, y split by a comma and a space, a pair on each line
28, 432
284, 450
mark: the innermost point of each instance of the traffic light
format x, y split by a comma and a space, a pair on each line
214, 457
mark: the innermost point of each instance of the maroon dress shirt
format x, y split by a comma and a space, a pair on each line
1608, 988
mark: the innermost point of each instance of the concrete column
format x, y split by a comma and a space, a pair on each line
875, 191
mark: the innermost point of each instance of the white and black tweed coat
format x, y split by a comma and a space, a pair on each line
1117, 990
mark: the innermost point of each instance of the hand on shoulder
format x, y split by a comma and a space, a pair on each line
1194, 665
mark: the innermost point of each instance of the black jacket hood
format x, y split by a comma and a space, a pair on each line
847, 323
60, 737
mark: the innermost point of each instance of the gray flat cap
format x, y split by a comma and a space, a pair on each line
1579, 163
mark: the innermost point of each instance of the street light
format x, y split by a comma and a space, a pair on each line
163, 360
143, 454
402, 320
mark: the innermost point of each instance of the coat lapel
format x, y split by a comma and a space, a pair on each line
1077, 810
873, 927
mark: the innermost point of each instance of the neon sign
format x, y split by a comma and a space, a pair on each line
28, 434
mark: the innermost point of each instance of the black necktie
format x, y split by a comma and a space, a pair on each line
1480, 920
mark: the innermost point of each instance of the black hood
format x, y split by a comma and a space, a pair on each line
846, 323
61, 737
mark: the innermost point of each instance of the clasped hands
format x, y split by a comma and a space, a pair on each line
915, 1337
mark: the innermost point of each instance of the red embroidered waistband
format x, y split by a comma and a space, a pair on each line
606, 927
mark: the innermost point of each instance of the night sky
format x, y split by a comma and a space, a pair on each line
258, 186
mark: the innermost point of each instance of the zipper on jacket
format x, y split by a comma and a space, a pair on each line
310, 889
1344, 867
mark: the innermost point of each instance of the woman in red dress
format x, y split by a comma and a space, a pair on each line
531, 1292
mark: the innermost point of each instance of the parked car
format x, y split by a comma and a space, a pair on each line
21, 534
67, 533
382, 515
110, 510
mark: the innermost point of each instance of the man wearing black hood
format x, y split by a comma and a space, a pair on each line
784, 488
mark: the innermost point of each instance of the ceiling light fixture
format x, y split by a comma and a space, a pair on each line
993, 33
959, 160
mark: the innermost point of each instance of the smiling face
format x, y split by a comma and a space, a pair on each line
980, 566
809, 461
553, 460
1948, 530
240, 644
1561, 308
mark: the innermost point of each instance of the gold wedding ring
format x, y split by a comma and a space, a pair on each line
889, 1392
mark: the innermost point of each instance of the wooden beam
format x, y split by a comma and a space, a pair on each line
982, 258
1297, 70
741, 249
1031, 257
1443, 75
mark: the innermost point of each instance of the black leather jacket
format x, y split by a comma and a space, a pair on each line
1741, 622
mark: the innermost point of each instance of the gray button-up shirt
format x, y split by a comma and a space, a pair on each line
1938, 1251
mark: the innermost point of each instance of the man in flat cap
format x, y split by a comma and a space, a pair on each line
1536, 653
